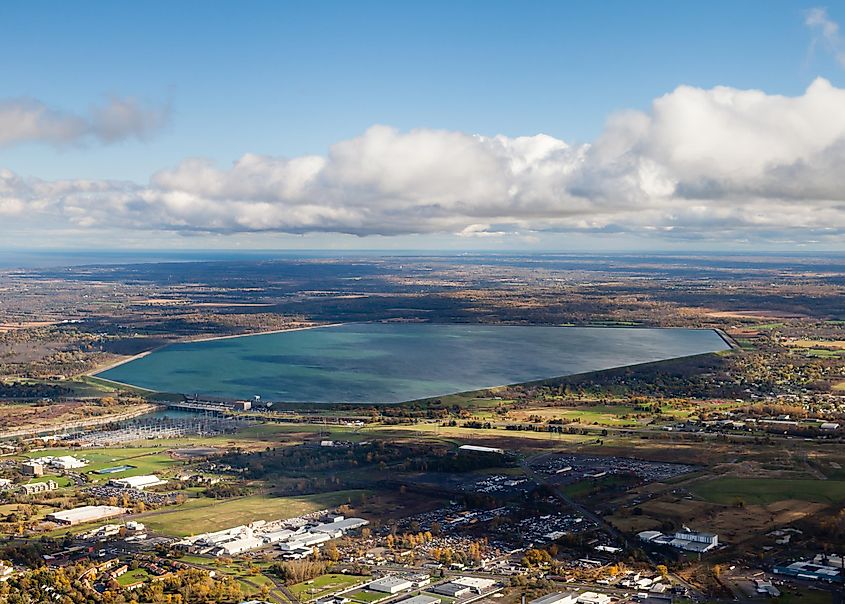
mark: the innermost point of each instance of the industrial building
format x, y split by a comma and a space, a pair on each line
238, 545
136, 482
87, 513
813, 571
475, 584
304, 540
592, 597
291, 536
339, 526
694, 541
391, 584
450, 590
481, 449
421, 599
687, 540
557, 598
62, 462
419, 579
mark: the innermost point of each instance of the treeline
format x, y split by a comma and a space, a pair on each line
31, 390
297, 571
307, 466
306, 460
460, 461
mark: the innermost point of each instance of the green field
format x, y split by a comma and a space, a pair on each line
586, 487
203, 514
769, 490
805, 596
325, 585
146, 459
366, 596
62, 481
133, 576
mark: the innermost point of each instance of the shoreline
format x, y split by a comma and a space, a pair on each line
257, 333
93, 373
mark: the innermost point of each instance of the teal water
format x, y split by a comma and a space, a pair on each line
393, 362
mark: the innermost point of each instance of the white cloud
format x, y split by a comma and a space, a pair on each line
825, 32
29, 120
701, 163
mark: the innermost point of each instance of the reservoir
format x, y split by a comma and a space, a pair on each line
395, 362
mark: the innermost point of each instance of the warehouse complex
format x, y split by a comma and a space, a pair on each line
87, 513
136, 482
296, 537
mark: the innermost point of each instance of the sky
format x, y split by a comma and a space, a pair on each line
432, 125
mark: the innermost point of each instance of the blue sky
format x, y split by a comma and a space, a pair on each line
287, 79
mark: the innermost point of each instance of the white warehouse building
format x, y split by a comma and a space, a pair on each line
391, 584
137, 482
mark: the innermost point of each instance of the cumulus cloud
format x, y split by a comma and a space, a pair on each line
29, 120
700, 163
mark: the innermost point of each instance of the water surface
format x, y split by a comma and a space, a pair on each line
393, 362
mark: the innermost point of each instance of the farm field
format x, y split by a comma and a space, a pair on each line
831, 344
769, 490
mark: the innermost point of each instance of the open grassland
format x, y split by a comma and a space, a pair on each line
769, 490
325, 585
133, 576
202, 514
604, 415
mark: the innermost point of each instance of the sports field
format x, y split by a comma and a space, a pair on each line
324, 585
